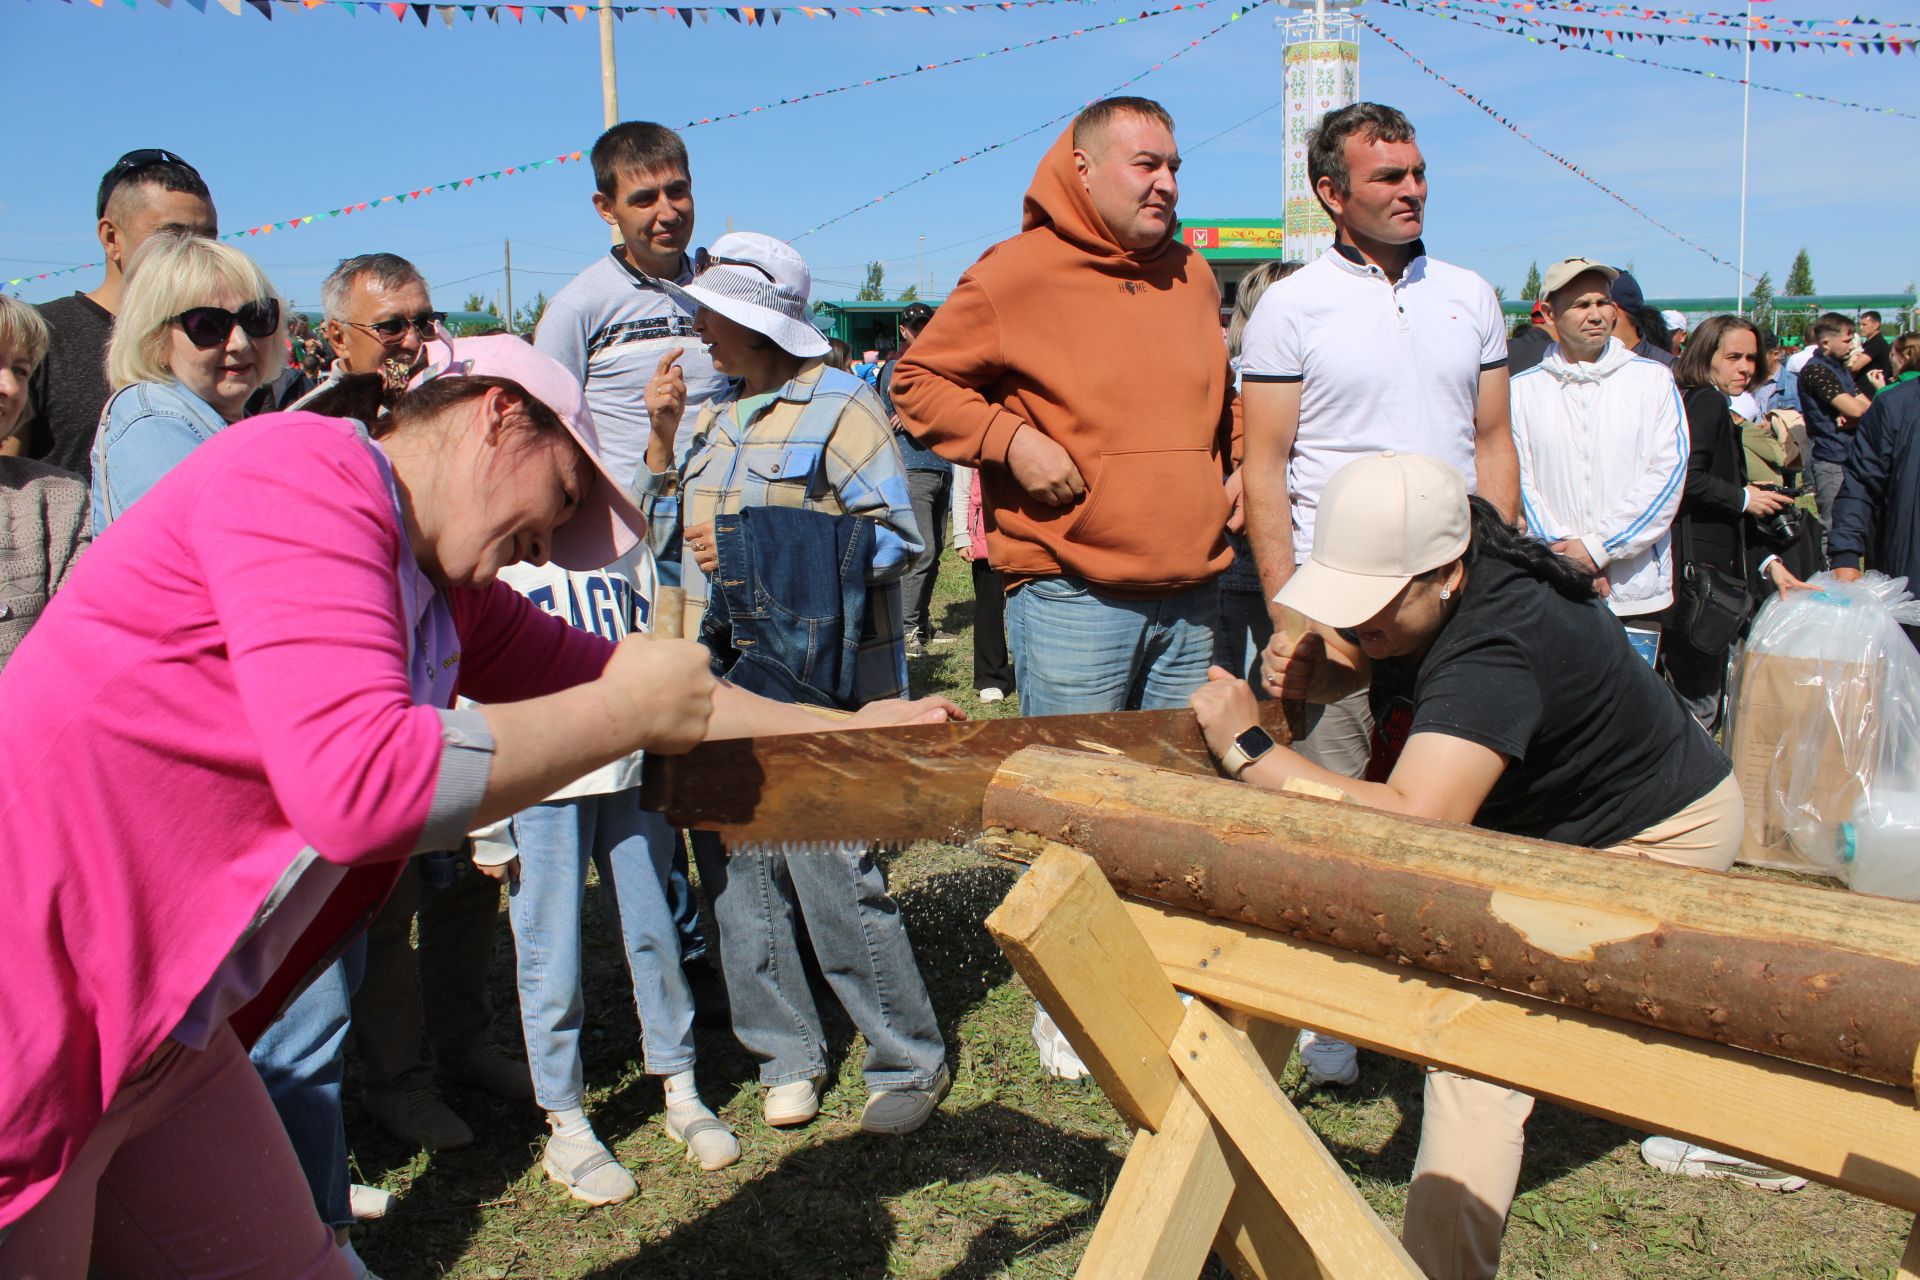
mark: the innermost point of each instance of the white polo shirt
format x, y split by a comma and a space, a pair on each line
1382, 364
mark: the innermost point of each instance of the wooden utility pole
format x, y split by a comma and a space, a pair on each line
609, 80
509, 316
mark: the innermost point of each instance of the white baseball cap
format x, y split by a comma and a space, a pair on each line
1382, 521
757, 281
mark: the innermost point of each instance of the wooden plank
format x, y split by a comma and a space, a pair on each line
1814, 975
1070, 939
1225, 1072
1849, 1133
1165, 1208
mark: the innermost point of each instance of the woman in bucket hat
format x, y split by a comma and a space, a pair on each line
792, 433
1507, 697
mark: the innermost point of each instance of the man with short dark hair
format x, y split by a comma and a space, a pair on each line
1080, 366
1832, 402
146, 192
1879, 350
613, 325
930, 478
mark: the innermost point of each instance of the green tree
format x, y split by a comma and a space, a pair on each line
1530, 291
1500, 292
1800, 279
910, 294
485, 306
526, 319
1763, 301
872, 291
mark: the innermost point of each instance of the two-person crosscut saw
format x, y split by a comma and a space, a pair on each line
898, 785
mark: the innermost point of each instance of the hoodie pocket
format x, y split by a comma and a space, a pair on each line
1151, 516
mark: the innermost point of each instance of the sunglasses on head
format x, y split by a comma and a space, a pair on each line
208, 327
393, 328
130, 163
702, 260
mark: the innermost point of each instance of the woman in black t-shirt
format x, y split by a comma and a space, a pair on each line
1516, 703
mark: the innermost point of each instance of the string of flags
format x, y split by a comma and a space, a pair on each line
1554, 156
1842, 26
1771, 41
922, 69
1434, 12
496, 175
747, 16
1182, 51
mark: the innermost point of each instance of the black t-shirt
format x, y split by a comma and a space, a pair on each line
69, 389
1600, 748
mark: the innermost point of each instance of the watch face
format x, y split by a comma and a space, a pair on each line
1256, 742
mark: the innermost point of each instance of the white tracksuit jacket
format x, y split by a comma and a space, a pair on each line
1603, 458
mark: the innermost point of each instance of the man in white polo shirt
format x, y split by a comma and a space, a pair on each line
1602, 442
1375, 346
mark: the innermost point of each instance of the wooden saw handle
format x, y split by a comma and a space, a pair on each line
670, 613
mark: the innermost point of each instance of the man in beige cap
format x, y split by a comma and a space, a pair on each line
1603, 449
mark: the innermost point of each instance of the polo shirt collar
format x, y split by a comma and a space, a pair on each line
1350, 258
640, 277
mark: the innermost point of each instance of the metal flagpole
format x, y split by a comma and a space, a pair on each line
1746, 111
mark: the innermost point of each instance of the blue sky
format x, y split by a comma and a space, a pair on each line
317, 108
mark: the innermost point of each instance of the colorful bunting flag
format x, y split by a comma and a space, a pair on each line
743, 16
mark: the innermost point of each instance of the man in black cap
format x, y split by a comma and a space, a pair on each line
930, 478
146, 192
1638, 326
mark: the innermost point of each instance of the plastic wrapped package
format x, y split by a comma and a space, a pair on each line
1825, 734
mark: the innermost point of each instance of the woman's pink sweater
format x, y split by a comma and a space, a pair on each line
221, 684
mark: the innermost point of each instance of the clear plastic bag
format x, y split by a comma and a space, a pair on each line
1825, 734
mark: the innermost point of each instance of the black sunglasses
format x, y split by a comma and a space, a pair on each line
209, 327
131, 163
702, 260
390, 329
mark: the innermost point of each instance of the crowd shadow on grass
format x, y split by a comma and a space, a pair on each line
831, 1196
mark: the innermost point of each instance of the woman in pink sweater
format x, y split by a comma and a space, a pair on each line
227, 734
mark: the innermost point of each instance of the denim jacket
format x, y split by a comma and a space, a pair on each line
145, 431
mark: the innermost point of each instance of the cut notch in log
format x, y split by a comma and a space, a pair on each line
1814, 975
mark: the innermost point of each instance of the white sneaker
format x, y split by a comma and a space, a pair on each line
795, 1102
1327, 1060
368, 1203
360, 1271
1676, 1155
992, 695
705, 1135
591, 1173
1056, 1054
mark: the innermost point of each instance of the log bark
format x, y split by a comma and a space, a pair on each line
1819, 976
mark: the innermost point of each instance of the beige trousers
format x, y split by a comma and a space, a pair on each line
1472, 1133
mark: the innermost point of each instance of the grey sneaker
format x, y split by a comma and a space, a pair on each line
1676, 1155
490, 1069
901, 1111
914, 648
419, 1117
941, 639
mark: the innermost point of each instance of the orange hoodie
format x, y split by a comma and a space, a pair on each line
1115, 356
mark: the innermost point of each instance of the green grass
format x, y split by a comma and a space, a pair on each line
1008, 1178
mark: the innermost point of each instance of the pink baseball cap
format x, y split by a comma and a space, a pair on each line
606, 525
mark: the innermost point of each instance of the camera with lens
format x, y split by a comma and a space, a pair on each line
1783, 526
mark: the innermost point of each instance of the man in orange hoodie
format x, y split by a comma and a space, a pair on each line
1080, 367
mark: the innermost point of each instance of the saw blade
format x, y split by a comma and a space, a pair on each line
894, 786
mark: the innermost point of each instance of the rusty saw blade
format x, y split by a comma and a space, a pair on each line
894, 786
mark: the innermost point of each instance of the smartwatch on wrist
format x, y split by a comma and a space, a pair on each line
1248, 747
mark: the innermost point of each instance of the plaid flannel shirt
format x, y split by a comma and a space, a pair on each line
784, 456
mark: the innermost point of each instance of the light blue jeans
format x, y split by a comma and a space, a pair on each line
633, 850
1076, 649
300, 1059
860, 942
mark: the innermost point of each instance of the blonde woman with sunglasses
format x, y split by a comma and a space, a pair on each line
200, 331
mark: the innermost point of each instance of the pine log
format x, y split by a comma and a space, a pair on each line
1819, 976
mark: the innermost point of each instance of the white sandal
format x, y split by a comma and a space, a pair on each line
706, 1138
590, 1172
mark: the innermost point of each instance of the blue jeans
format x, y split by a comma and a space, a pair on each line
300, 1060
861, 944
1076, 649
633, 850
1242, 632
